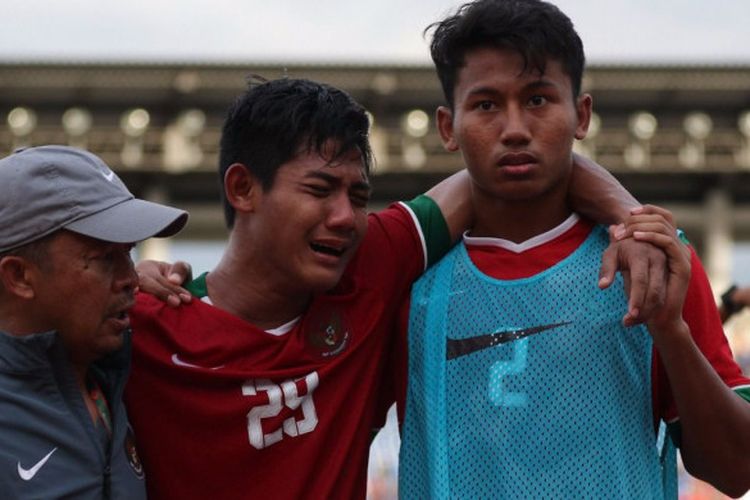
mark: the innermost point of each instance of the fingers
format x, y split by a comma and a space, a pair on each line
677, 252
639, 271
608, 268
655, 286
646, 218
153, 279
651, 257
164, 290
654, 210
644, 223
179, 272
663, 241
147, 267
648, 226
644, 269
678, 279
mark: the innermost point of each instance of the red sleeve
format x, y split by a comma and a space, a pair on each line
393, 245
390, 259
398, 243
401, 363
702, 316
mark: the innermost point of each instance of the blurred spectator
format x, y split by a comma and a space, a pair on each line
733, 301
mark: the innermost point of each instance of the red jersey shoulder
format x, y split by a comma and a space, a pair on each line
193, 335
146, 304
392, 239
702, 316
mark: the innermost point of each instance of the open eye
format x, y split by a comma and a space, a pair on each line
537, 100
485, 105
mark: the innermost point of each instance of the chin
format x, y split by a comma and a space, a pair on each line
112, 343
523, 192
325, 282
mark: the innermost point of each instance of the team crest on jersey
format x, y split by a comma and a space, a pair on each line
132, 453
328, 333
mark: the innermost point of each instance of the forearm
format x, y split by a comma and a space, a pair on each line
596, 194
714, 420
453, 196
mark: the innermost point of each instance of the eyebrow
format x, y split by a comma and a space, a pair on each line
483, 91
540, 83
332, 179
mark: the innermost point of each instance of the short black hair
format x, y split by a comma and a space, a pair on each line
537, 30
274, 121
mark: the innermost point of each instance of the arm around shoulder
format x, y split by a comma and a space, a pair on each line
453, 196
595, 193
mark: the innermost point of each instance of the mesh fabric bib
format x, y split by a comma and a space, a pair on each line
529, 388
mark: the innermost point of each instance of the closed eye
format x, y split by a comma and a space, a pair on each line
359, 201
318, 190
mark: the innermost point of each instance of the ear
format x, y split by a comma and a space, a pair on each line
241, 188
584, 104
15, 276
444, 118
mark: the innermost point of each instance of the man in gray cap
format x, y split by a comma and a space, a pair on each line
67, 225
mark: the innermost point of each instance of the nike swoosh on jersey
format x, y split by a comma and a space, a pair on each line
28, 474
177, 361
461, 347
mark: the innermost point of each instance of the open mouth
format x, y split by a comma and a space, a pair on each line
121, 314
119, 321
325, 249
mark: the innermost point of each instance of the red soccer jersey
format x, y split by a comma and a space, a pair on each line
222, 409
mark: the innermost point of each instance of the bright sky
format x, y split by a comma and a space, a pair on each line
348, 30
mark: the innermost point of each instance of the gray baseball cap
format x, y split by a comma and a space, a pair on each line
47, 188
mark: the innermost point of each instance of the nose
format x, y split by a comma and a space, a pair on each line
515, 129
341, 215
125, 278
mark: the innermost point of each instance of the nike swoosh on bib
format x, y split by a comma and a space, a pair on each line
461, 347
28, 474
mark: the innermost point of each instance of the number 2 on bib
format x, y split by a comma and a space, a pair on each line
498, 392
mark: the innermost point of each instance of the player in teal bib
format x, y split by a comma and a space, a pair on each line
523, 383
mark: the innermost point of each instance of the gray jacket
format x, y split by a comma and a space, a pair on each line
49, 446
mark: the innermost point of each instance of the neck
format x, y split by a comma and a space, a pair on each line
21, 318
80, 371
518, 220
242, 286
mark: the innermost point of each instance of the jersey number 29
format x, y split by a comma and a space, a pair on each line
285, 394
